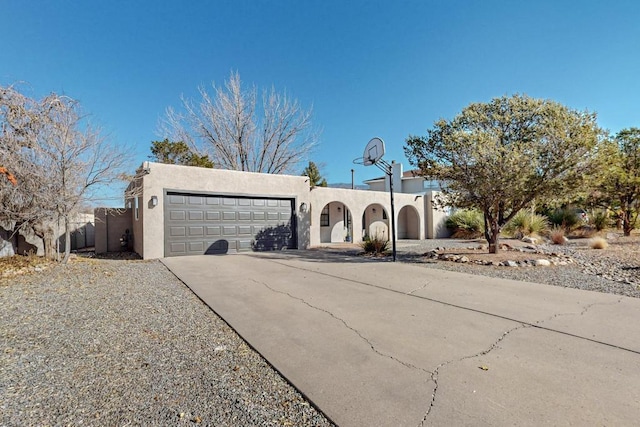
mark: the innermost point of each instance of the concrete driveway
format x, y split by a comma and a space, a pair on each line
384, 344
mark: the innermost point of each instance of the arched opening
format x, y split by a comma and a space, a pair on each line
408, 223
335, 223
375, 222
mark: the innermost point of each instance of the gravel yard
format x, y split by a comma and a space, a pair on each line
613, 270
120, 342
123, 342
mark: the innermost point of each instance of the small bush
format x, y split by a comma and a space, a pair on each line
600, 220
598, 243
466, 224
375, 245
565, 218
524, 223
557, 236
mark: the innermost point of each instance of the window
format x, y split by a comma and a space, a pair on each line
324, 217
135, 207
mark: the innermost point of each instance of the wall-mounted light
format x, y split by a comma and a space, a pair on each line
339, 209
303, 207
374, 210
154, 200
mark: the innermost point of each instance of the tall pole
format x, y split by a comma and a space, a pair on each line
393, 214
352, 186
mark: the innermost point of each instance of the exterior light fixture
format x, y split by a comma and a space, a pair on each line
154, 201
303, 207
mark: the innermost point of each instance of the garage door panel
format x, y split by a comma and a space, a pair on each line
196, 215
229, 230
177, 215
213, 216
214, 224
196, 231
196, 247
176, 200
178, 231
213, 231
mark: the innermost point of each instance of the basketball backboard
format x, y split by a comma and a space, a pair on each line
373, 151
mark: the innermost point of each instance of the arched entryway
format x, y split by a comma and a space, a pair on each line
335, 223
375, 222
408, 223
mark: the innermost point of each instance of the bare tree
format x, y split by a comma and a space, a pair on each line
225, 126
60, 161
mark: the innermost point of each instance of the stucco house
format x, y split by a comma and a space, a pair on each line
184, 210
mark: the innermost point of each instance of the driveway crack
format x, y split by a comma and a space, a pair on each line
585, 309
434, 374
362, 337
418, 289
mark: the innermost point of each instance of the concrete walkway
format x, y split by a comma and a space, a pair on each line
384, 344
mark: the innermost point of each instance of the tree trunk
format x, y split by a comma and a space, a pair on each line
67, 240
491, 233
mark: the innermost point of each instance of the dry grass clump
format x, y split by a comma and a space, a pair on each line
598, 243
557, 235
22, 264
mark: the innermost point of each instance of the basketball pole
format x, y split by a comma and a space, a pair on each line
386, 168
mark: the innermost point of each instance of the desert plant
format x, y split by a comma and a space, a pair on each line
557, 235
598, 243
600, 220
466, 224
565, 218
525, 223
375, 244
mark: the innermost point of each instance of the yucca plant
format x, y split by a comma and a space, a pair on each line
600, 220
375, 244
466, 224
565, 218
525, 223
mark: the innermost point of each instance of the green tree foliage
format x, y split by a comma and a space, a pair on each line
499, 156
315, 178
619, 187
178, 153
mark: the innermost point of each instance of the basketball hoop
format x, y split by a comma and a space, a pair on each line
372, 155
358, 161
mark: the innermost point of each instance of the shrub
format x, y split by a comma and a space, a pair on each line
557, 236
375, 245
466, 224
565, 218
524, 223
598, 243
600, 220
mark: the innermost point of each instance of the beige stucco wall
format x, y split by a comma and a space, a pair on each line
110, 225
359, 201
414, 214
162, 177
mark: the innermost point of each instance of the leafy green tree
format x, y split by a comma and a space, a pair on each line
315, 178
499, 156
178, 153
619, 188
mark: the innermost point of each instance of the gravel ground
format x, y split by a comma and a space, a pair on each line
119, 342
123, 342
615, 270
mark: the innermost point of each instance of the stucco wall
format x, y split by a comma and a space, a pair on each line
359, 201
110, 226
161, 178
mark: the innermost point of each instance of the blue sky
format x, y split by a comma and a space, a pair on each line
368, 68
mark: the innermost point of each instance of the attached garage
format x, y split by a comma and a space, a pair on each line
196, 224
